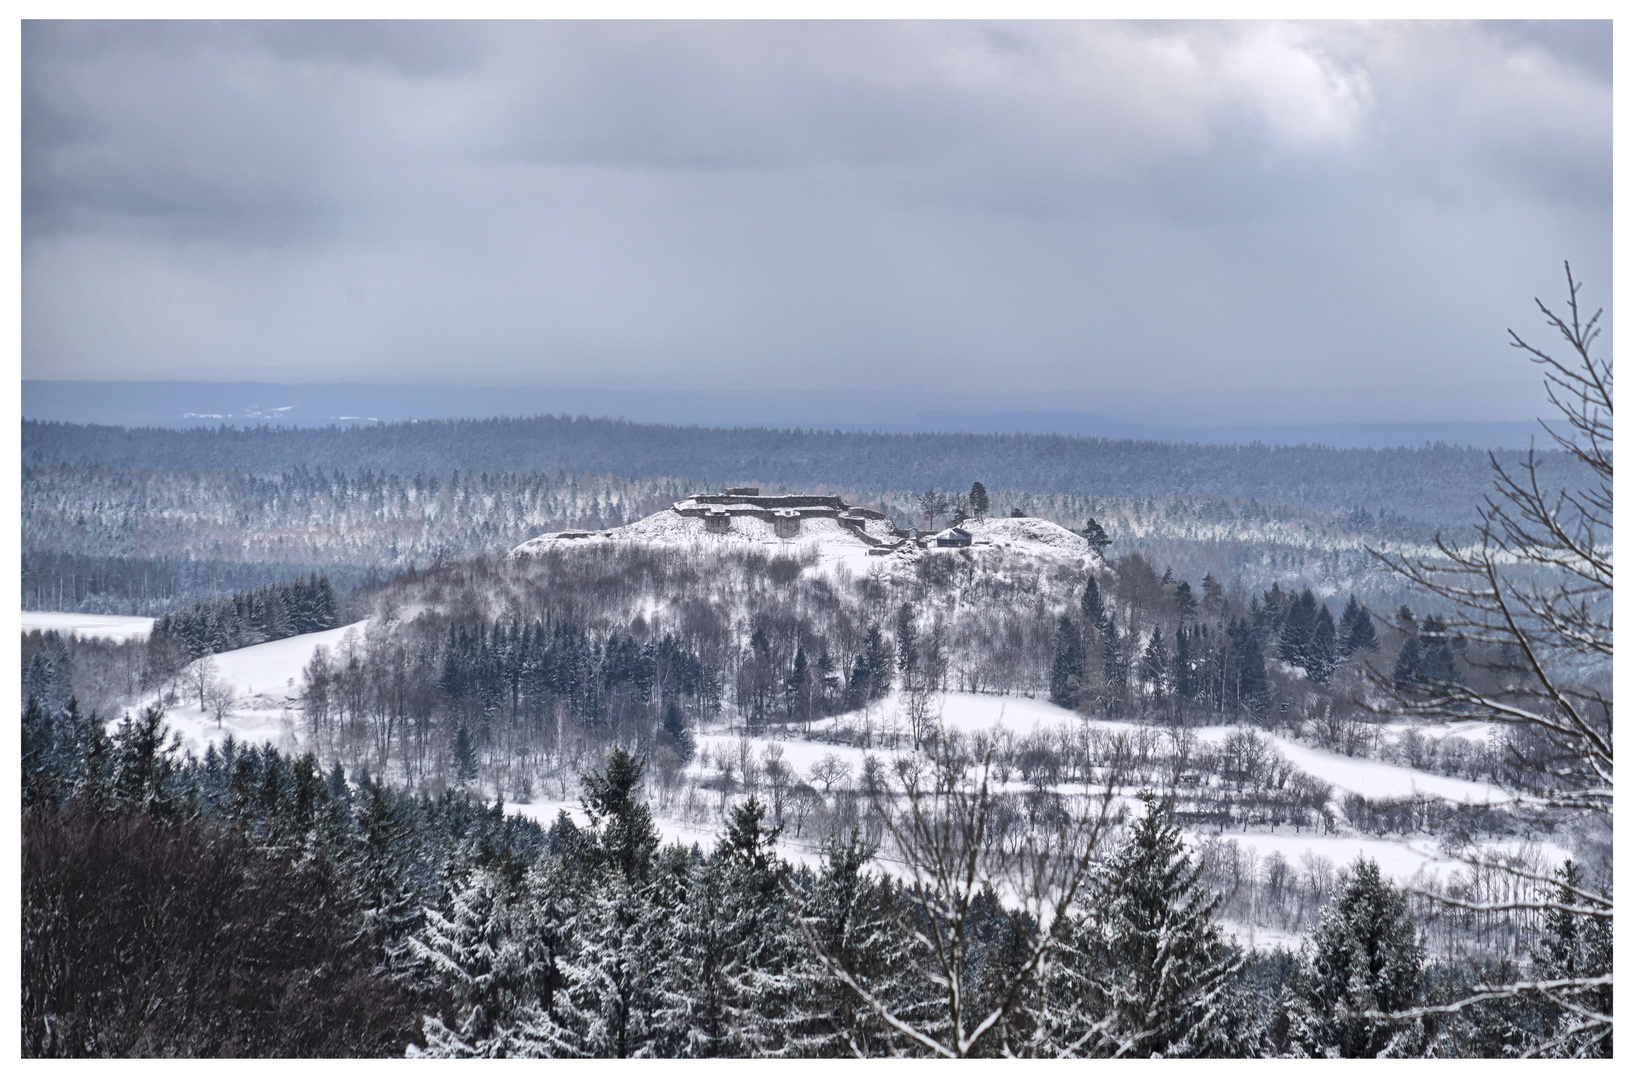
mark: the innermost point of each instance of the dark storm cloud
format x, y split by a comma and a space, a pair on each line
1050, 214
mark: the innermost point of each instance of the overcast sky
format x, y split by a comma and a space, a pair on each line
1036, 215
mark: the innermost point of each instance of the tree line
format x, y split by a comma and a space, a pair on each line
250, 903
251, 617
1436, 484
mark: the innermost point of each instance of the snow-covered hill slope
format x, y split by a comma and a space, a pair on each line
872, 542
266, 680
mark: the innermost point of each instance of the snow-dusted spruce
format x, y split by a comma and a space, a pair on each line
485, 967
1147, 973
1361, 964
1533, 592
941, 814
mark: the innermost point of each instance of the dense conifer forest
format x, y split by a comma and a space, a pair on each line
1435, 484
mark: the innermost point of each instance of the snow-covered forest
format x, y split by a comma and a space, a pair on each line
1130, 775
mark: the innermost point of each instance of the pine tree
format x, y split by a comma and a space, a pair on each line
1184, 597
906, 640
1298, 631
1069, 665
1363, 956
483, 964
1096, 536
1574, 946
1149, 974
1320, 658
979, 499
1212, 594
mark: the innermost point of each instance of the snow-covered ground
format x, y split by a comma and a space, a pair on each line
113, 627
266, 679
1373, 779
827, 542
1402, 859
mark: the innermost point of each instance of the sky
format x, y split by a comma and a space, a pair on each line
1211, 222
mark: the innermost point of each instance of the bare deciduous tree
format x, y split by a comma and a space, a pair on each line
220, 698
954, 841
1534, 589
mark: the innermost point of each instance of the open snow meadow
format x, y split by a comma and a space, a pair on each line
265, 682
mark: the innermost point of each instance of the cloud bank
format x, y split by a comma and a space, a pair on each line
1043, 214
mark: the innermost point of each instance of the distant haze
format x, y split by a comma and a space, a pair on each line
199, 404
1236, 227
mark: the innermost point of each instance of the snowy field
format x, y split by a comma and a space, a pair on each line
266, 679
1403, 859
112, 627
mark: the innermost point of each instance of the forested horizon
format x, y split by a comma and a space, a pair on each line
1438, 484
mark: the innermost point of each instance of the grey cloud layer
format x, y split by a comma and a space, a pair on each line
1056, 210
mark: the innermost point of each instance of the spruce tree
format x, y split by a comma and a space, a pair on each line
1155, 664
1298, 631
613, 983
1574, 946
761, 971
1320, 658
849, 921
1361, 635
878, 664
674, 727
1069, 665
979, 499
466, 758
1092, 605
484, 966
1251, 677
1364, 956
1183, 668
1149, 973
906, 640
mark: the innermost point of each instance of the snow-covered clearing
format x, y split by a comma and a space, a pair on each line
1374, 779
266, 679
1403, 859
112, 627
1400, 859
1022, 716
